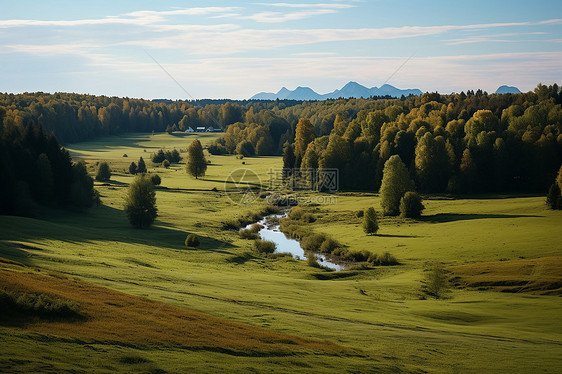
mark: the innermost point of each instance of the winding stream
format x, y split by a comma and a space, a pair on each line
271, 232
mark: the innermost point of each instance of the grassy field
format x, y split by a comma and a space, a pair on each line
379, 319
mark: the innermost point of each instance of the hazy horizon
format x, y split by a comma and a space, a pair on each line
234, 50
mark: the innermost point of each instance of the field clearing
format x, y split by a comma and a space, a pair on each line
379, 311
541, 276
118, 317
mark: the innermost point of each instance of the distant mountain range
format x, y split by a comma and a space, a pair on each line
352, 89
507, 89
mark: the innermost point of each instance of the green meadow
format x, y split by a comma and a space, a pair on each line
380, 314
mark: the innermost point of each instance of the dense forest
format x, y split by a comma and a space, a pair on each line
75, 117
469, 142
460, 143
36, 170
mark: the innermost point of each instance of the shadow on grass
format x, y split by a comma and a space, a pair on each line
397, 236
97, 224
452, 217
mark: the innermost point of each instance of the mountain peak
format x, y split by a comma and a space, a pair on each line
507, 89
350, 90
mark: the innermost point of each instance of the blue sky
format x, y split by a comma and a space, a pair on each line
233, 49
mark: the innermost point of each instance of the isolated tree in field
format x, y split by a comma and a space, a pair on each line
370, 221
304, 134
141, 166
133, 168
156, 180
196, 164
395, 183
104, 172
411, 205
140, 202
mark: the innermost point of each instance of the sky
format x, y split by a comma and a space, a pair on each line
234, 49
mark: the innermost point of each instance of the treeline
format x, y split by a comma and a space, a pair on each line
76, 117
461, 143
457, 143
36, 170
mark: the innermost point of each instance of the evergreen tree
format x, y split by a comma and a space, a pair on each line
45, 181
196, 163
140, 202
133, 168
82, 187
141, 166
288, 156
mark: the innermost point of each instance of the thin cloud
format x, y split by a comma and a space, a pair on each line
278, 17
491, 38
142, 18
243, 40
309, 5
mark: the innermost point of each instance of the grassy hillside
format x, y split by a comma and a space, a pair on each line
380, 313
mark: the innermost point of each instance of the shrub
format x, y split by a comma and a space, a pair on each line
156, 180
217, 149
231, 224
311, 260
359, 213
329, 245
313, 242
411, 205
248, 234
166, 164
264, 246
436, 282
43, 305
192, 241
299, 214
370, 222
125, 155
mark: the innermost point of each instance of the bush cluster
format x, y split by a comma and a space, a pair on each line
42, 305
251, 233
192, 241
172, 156
264, 246
295, 225
249, 217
